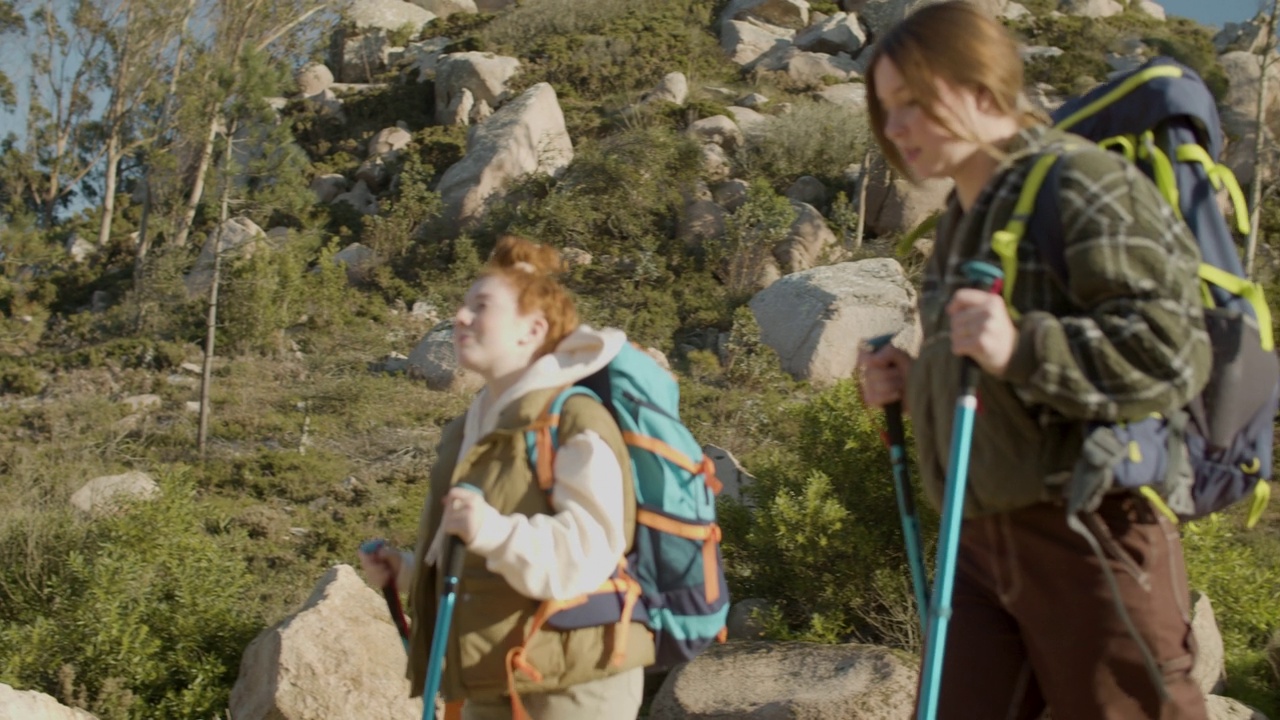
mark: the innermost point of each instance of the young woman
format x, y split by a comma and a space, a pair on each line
519, 331
1035, 623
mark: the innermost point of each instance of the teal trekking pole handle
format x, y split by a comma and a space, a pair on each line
896, 439
391, 595
455, 555
983, 276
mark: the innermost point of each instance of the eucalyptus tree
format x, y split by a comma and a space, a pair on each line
229, 79
1266, 58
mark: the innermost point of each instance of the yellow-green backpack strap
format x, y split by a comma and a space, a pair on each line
1221, 176
1005, 242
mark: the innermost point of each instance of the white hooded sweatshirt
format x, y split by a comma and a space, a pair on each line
551, 557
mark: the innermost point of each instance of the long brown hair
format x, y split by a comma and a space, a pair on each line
531, 270
960, 44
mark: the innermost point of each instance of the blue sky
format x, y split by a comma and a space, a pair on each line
1213, 12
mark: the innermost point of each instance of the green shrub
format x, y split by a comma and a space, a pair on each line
618, 201
602, 48
1236, 570
140, 614
825, 545
815, 138
740, 256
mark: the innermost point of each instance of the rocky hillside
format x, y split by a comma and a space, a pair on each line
706, 167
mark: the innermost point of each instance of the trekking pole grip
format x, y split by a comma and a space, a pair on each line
981, 276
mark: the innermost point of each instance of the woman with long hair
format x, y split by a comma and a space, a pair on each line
1035, 623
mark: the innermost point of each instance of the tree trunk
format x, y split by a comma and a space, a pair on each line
211, 331
1260, 118
109, 190
863, 182
197, 187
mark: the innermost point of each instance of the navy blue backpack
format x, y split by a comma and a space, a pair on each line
1163, 119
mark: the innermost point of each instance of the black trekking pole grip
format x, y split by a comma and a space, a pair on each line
981, 276
453, 569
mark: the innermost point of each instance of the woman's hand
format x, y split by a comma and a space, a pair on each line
981, 329
883, 375
381, 566
464, 512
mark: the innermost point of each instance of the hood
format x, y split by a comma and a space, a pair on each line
580, 354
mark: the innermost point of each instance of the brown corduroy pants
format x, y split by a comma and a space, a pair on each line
1035, 625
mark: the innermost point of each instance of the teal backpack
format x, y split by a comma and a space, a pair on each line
673, 579
1163, 119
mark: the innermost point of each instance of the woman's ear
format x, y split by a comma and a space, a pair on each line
537, 331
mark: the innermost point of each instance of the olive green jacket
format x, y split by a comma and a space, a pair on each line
490, 617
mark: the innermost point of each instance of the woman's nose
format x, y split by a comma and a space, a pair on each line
894, 128
463, 316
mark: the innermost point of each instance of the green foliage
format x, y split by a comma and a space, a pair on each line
741, 254
618, 201
402, 35
1235, 569
140, 614
748, 362
611, 46
825, 544
815, 138
1085, 42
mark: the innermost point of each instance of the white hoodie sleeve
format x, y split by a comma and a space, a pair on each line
554, 557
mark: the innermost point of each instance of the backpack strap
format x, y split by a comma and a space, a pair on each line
1004, 243
543, 437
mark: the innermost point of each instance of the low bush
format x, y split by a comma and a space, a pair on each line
824, 545
137, 614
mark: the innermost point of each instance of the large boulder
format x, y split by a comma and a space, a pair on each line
718, 129
360, 197
444, 8
809, 242
106, 492
781, 681
809, 69
329, 186
237, 237
783, 13
527, 135
484, 75
359, 260
313, 78
337, 657
896, 205
746, 42
880, 15
1091, 8
839, 33
434, 361
389, 140
421, 59
1240, 107
1248, 36
673, 88
852, 95
387, 15
32, 705
816, 319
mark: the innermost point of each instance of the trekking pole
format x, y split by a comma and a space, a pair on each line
983, 276
457, 552
391, 595
896, 439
